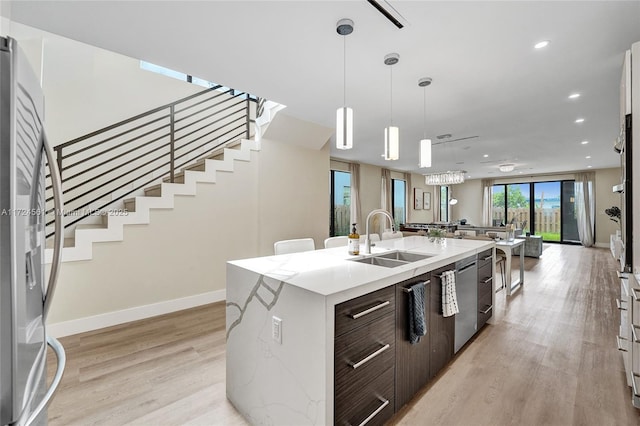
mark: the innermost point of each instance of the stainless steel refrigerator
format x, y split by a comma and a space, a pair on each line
25, 296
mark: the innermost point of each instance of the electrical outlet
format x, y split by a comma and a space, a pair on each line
276, 329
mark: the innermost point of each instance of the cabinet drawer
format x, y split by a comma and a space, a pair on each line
485, 309
373, 402
485, 279
362, 354
364, 309
485, 258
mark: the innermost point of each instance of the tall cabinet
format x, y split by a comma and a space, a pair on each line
628, 339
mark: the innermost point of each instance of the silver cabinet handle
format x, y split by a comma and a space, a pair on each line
486, 310
633, 332
622, 275
369, 357
619, 304
634, 291
58, 238
385, 402
487, 280
487, 258
619, 343
368, 311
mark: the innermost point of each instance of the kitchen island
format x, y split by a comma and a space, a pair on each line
284, 330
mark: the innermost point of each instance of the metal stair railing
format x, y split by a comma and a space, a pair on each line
105, 166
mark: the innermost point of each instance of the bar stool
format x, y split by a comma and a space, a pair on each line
500, 262
294, 246
336, 242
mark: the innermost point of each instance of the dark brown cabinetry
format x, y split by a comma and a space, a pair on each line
365, 359
485, 284
412, 361
442, 329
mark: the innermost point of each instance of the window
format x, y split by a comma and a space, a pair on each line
444, 204
399, 201
340, 203
541, 208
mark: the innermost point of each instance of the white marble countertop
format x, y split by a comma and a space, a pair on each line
329, 272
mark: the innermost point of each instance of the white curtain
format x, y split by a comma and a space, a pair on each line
408, 204
380, 222
435, 203
487, 202
585, 207
354, 169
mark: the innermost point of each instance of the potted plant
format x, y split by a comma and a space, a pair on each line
614, 213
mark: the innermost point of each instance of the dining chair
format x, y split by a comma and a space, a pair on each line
336, 242
372, 237
294, 246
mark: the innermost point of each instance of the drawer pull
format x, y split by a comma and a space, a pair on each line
619, 343
369, 357
634, 385
622, 275
486, 311
385, 402
634, 291
487, 280
368, 311
619, 304
633, 332
487, 258
408, 290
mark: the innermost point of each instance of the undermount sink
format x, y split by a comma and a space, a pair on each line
392, 259
404, 256
375, 260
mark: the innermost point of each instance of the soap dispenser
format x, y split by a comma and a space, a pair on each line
354, 241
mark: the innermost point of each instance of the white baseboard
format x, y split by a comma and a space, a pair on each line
81, 325
602, 245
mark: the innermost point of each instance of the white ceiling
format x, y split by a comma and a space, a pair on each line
488, 80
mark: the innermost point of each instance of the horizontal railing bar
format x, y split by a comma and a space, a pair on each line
111, 181
217, 95
135, 117
164, 154
242, 101
118, 146
209, 141
209, 133
71, 154
210, 124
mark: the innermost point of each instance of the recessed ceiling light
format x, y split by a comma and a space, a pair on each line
486, 155
574, 95
520, 172
588, 167
584, 142
587, 157
541, 44
580, 120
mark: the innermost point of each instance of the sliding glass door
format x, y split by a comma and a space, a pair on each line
540, 208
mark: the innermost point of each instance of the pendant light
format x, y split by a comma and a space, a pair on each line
344, 115
391, 133
425, 144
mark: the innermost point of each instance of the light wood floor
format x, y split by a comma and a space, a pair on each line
549, 359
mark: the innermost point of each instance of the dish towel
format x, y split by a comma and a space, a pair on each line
417, 316
449, 299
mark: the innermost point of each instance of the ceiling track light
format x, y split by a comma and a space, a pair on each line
425, 144
391, 133
344, 115
506, 168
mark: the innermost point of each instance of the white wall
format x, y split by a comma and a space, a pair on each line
87, 88
282, 193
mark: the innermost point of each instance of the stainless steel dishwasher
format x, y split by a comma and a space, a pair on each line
467, 294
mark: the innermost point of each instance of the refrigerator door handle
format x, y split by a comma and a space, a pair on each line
58, 212
62, 361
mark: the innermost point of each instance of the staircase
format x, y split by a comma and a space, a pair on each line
113, 184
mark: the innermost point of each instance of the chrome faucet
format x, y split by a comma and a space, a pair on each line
367, 240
